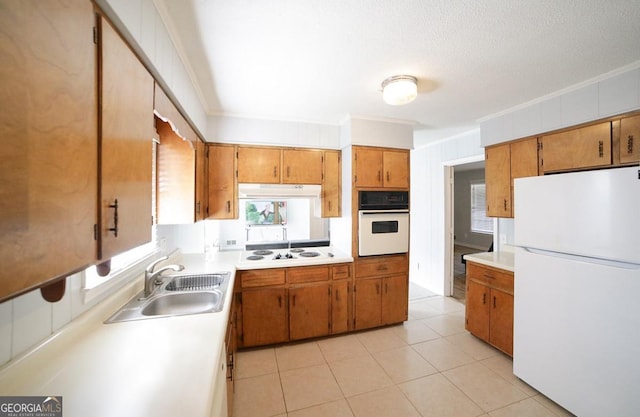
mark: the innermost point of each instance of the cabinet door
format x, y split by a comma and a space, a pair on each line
175, 177
48, 122
477, 313
221, 192
501, 331
396, 169
339, 307
126, 147
301, 166
258, 165
331, 185
368, 303
524, 159
395, 299
309, 311
579, 148
630, 139
264, 316
368, 164
498, 180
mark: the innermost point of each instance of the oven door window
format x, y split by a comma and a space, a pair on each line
384, 227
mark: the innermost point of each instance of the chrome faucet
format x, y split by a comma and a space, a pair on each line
152, 278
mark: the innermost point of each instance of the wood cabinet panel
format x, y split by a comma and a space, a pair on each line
332, 185
125, 148
382, 265
630, 139
307, 274
341, 271
48, 126
264, 317
395, 296
259, 165
489, 309
340, 306
501, 329
396, 169
523, 159
221, 184
302, 166
309, 311
262, 277
498, 180
368, 167
201, 180
477, 313
586, 147
367, 303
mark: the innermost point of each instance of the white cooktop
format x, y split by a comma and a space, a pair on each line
279, 258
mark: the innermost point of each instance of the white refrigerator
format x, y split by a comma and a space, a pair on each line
577, 289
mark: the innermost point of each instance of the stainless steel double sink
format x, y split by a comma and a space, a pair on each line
178, 295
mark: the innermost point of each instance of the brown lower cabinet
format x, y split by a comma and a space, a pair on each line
278, 305
381, 293
489, 305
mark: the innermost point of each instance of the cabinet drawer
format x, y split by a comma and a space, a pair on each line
262, 277
313, 274
340, 271
492, 277
382, 266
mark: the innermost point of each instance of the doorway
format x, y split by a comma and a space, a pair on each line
461, 236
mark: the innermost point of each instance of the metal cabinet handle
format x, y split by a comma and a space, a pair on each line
275, 171
386, 288
388, 176
228, 206
484, 298
279, 301
505, 204
198, 207
382, 267
494, 301
114, 229
377, 288
379, 175
288, 169
630, 144
329, 205
293, 300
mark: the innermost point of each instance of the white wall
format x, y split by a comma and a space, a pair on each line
227, 129
427, 257
608, 95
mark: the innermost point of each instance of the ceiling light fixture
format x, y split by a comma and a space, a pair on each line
399, 89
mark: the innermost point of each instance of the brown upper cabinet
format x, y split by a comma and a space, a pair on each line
503, 164
302, 166
630, 139
125, 147
332, 184
586, 147
180, 166
379, 167
259, 165
48, 125
222, 186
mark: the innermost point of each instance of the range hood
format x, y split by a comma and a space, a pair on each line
278, 191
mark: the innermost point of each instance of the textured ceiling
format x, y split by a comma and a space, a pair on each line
320, 60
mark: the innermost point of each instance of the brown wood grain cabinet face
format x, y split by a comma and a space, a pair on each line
586, 147
367, 303
125, 147
340, 295
309, 311
222, 186
498, 180
259, 165
630, 139
380, 167
332, 184
395, 293
48, 125
489, 305
302, 166
265, 318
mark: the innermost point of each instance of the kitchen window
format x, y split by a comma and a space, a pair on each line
480, 223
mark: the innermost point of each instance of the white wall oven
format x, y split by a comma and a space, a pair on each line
383, 222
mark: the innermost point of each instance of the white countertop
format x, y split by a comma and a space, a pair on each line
154, 367
502, 260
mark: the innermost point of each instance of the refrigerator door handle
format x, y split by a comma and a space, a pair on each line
587, 259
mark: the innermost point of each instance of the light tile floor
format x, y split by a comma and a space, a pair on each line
429, 366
